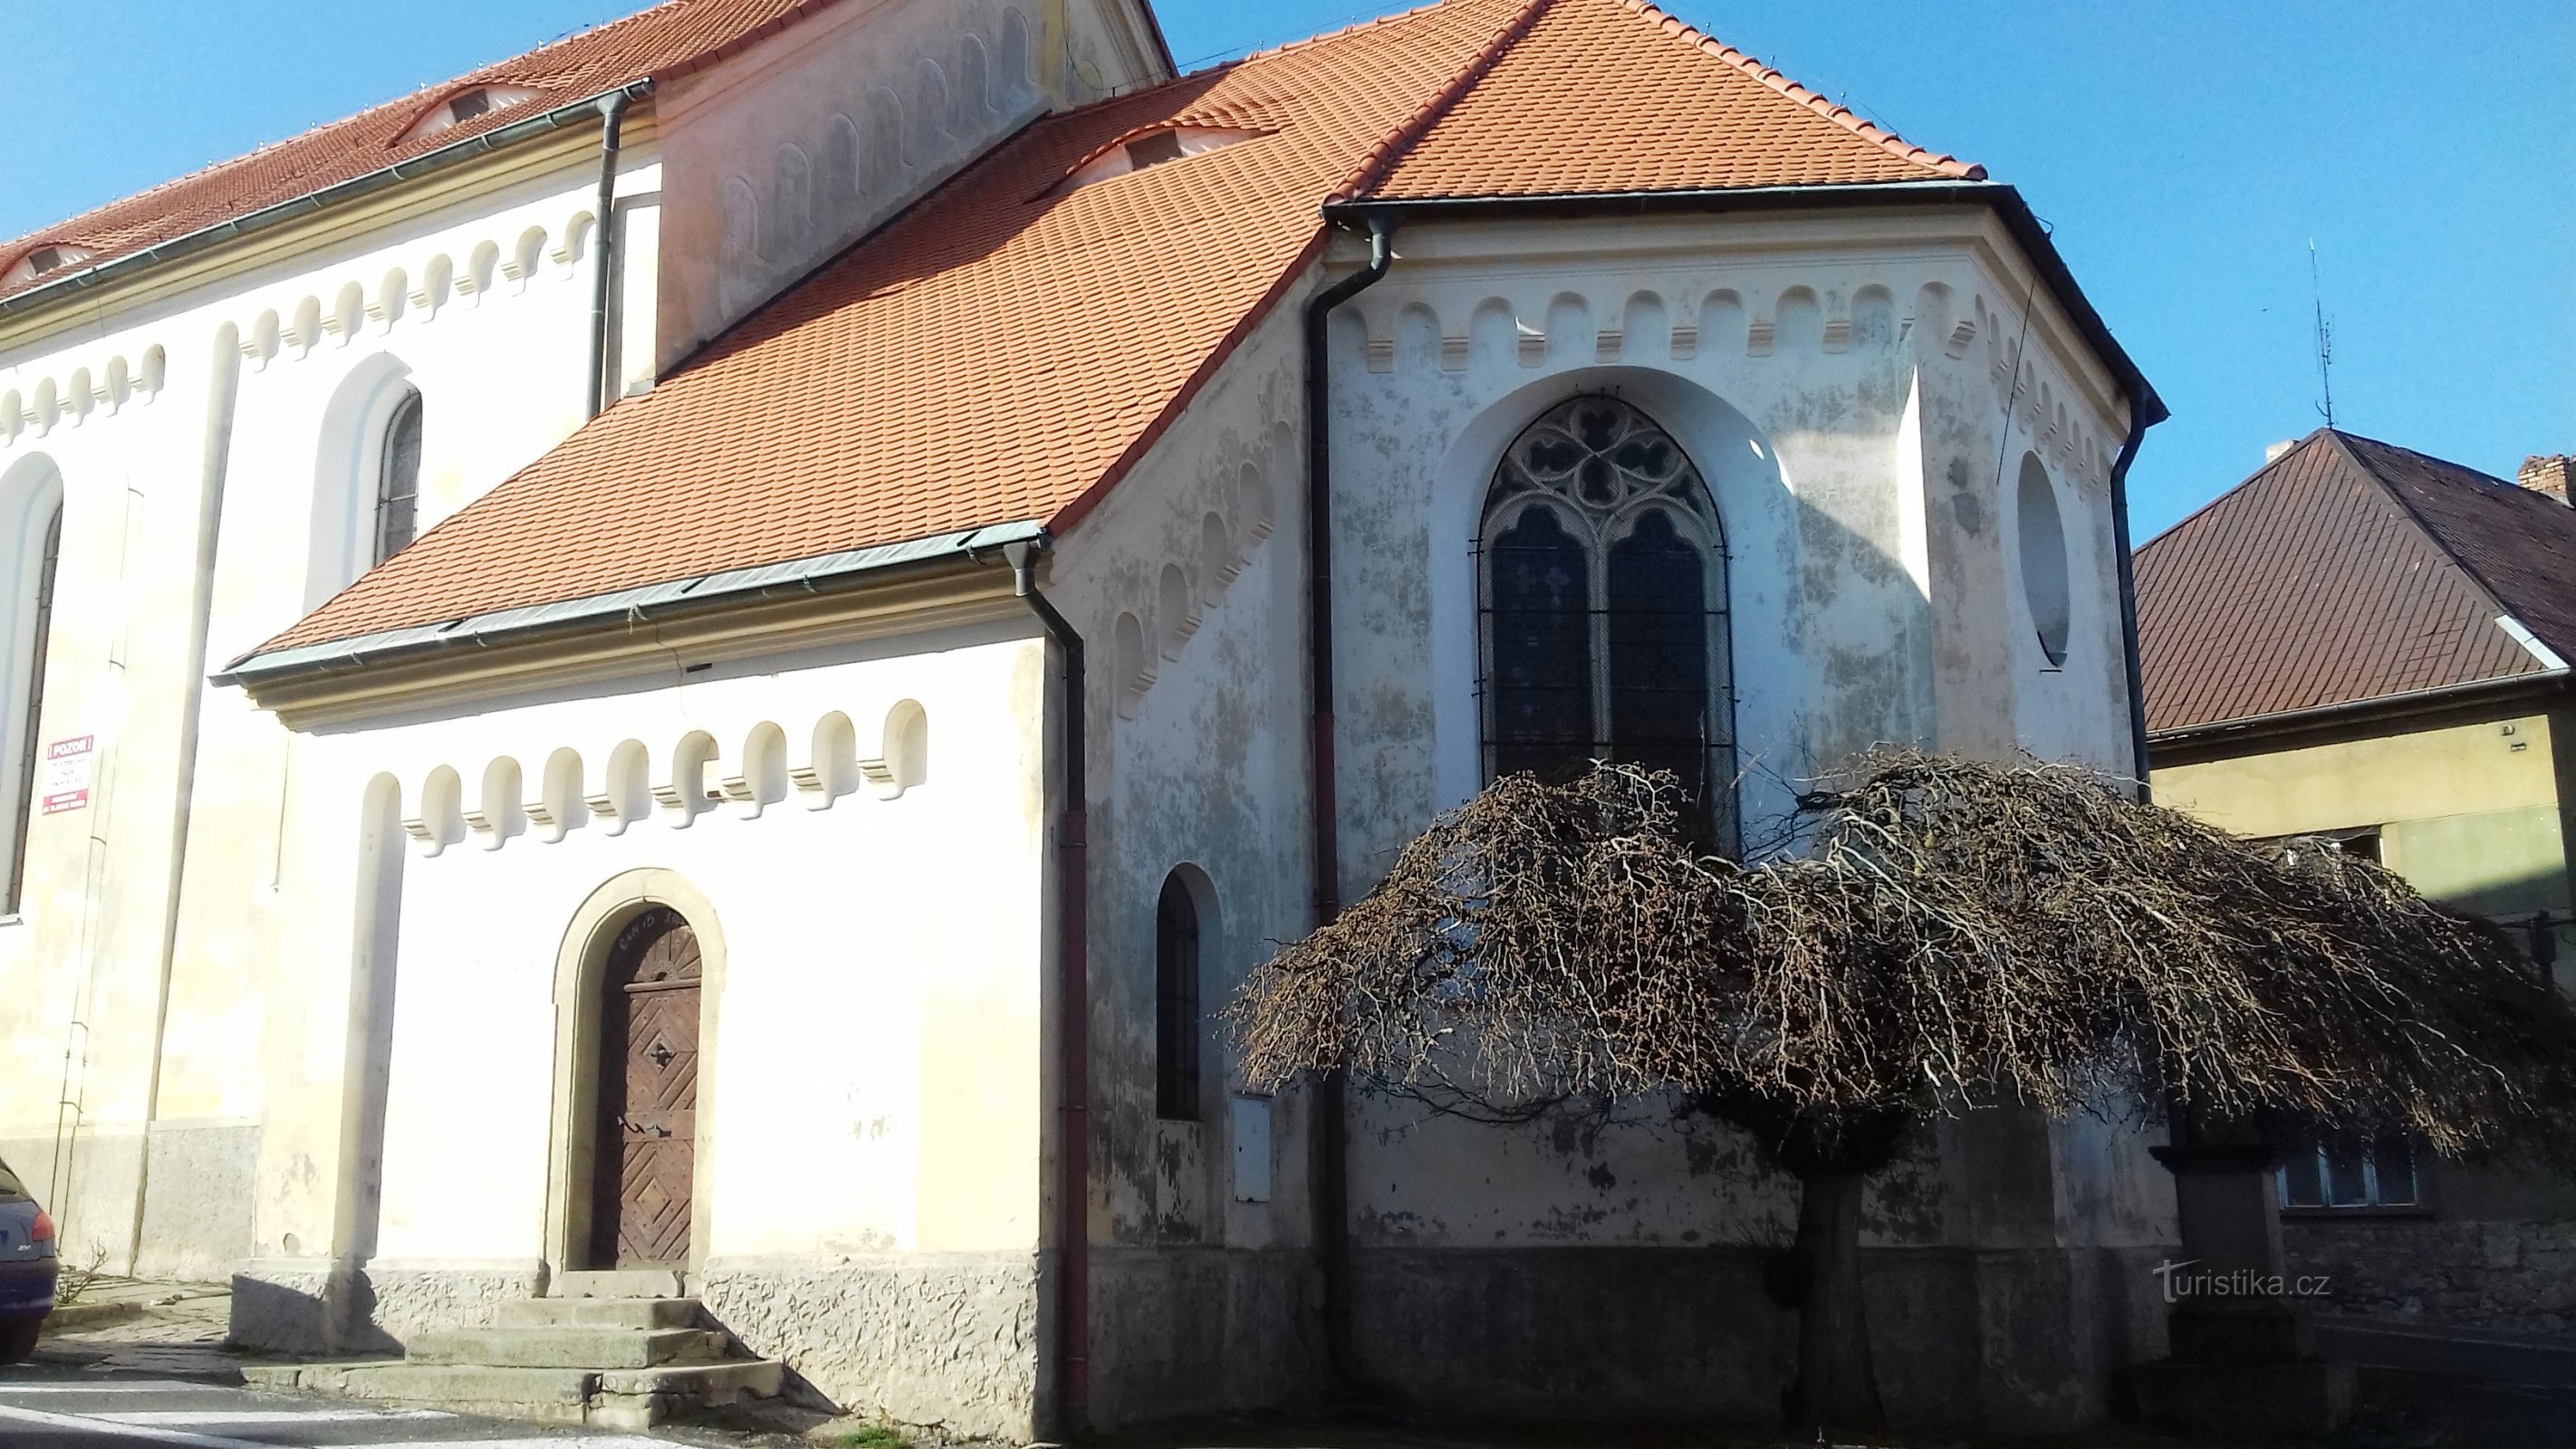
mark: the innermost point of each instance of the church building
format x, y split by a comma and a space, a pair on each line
690, 667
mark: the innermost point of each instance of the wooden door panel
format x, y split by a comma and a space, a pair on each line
646, 1164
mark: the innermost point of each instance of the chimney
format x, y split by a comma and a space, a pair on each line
2546, 474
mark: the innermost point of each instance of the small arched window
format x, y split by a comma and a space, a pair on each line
32, 718
398, 479
1603, 580
1176, 1003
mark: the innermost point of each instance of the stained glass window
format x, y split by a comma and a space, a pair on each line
1604, 608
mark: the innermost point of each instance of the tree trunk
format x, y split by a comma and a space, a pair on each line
1835, 1386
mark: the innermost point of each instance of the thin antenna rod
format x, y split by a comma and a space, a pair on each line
2325, 337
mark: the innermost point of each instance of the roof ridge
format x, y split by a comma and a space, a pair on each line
2230, 491
1842, 115
2446, 463
57, 230
2343, 443
1381, 157
1310, 41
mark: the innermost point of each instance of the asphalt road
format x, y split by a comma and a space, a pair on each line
44, 1405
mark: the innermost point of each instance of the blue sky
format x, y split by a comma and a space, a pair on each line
2185, 154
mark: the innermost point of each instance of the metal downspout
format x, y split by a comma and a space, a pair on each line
2140, 418
612, 114
1073, 1011
1331, 1180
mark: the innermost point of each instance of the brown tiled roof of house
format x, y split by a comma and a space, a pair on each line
667, 40
1006, 349
2346, 571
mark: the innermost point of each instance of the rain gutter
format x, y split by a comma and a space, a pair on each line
1331, 1187
612, 113
340, 193
2129, 653
1073, 1006
2538, 681
821, 573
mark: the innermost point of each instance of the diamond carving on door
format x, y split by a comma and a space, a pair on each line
648, 1096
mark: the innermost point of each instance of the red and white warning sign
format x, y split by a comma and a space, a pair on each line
65, 785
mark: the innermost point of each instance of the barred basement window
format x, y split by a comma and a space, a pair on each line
1602, 600
1176, 1003
398, 480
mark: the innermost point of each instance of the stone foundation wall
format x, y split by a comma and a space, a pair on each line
2023, 1340
2510, 1275
938, 1340
308, 1306
1202, 1330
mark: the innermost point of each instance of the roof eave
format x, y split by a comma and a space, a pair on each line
846, 569
2002, 199
2256, 726
72, 285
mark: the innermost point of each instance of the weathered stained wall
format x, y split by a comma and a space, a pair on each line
1847, 386
1187, 583
1875, 595
786, 154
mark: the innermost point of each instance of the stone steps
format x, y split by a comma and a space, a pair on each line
627, 1360
597, 1348
634, 1313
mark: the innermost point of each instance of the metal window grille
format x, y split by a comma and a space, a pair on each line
1601, 609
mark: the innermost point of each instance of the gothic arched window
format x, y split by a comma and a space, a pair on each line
41, 629
1602, 578
398, 480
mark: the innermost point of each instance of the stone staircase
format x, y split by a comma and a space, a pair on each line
620, 1349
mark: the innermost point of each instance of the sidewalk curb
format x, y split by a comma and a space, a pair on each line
81, 1317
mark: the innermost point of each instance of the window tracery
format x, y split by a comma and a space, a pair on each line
1603, 608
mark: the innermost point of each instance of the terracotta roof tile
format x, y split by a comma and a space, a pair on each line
2349, 570
668, 39
1615, 95
1005, 349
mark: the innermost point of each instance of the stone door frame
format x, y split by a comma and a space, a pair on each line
581, 968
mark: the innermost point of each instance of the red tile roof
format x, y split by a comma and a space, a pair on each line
668, 40
1006, 349
1665, 110
2344, 571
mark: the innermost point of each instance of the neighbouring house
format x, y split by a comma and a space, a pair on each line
2370, 645
787, 843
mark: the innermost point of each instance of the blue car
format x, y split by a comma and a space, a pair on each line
27, 1268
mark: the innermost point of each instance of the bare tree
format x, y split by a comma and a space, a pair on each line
1949, 935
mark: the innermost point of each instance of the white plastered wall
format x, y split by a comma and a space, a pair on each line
872, 1082
265, 378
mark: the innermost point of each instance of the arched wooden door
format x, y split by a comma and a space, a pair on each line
646, 1162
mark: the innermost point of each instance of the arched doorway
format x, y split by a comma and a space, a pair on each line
646, 1098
